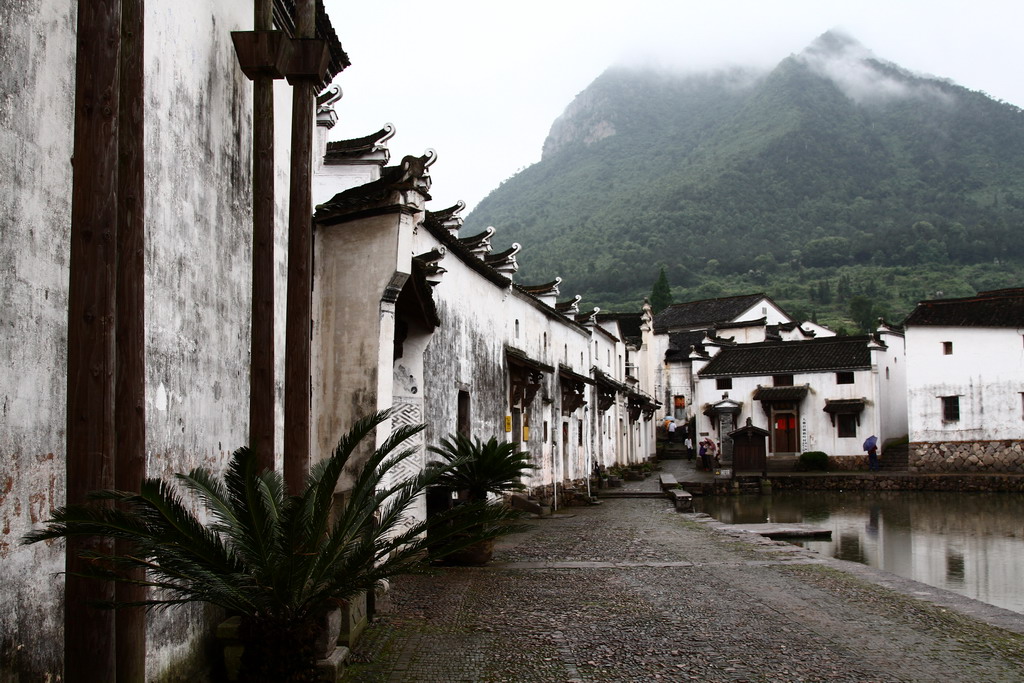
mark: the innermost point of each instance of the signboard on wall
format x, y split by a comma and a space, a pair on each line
508, 423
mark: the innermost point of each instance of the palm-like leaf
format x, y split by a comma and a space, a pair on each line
275, 559
482, 468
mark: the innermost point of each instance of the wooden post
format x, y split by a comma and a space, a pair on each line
89, 632
130, 330
299, 303
261, 371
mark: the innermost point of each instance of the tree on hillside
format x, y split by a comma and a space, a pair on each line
661, 293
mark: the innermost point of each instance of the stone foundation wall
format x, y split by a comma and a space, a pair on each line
967, 456
901, 482
847, 463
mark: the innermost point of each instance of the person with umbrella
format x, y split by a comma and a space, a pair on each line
871, 446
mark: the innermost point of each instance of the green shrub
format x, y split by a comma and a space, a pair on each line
814, 460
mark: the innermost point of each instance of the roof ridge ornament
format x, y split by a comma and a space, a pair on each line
505, 261
326, 117
480, 243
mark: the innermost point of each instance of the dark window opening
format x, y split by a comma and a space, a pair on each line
950, 408
782, 380
463, 423
947, 348
723, 383
844, 378
847, 426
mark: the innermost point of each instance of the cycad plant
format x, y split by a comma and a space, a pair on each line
479, 468
279, 561
475, 470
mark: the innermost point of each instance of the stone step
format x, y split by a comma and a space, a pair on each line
620, 493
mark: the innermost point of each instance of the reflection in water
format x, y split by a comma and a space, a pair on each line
971, 543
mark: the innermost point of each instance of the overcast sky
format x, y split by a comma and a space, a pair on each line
481, 82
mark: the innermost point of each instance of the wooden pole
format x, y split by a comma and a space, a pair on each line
261, 374
89, 632
130, 331
299, 304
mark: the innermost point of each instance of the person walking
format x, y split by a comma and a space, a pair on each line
688, 445
871, 446
671, 431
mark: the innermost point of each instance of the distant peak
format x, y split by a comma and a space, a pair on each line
837, 43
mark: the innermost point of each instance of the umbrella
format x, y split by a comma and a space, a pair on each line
870, 442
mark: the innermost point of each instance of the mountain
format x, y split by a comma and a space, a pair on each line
833, 176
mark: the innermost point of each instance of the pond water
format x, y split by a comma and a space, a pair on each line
970, 543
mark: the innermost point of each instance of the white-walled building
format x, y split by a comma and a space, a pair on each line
676, 331
965, 383
815, 395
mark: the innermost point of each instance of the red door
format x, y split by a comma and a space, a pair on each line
784, 434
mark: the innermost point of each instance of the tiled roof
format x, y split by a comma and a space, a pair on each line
411, 174
775, 358
780, 393
679, 344
346, 149
705, 313
998, 308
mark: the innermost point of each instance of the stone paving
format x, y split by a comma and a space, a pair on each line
630, 590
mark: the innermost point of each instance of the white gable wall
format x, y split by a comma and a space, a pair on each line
985, 370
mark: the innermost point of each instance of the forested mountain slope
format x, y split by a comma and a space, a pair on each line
834, 179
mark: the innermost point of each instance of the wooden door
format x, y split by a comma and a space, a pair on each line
785, 438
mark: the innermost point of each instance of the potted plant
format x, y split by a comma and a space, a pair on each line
278, 561
476, 470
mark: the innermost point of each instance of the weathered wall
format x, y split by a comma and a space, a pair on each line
198, 150
37, 67
467, 352
986, 370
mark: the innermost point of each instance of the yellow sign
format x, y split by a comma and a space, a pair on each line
508, 423
526, 433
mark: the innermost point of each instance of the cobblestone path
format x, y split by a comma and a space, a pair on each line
632, 591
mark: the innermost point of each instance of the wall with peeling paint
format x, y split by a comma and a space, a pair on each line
37, 67
198, 186
985, 370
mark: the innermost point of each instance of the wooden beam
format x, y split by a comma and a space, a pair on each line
130, 327
89, 632
261, 370
300, 251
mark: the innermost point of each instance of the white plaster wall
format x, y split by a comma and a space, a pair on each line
764, 309
986, 369
198, 203
891, 377
37, 66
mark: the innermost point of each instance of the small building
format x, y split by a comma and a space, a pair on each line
965, 383
815, 395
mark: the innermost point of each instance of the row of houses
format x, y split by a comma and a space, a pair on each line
949, 380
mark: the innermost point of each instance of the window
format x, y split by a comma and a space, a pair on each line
517, 329
844, 378
887, 373
947, 348
782, 380
950, 408
463, 425
847, 425
723, 383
